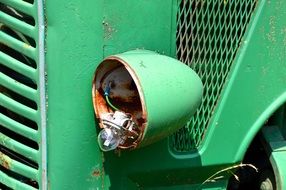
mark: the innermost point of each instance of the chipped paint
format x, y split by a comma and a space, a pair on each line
108, 30
5, 161
3, 139
27, 46
271, 36
96, 173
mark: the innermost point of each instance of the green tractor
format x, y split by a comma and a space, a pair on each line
146, 94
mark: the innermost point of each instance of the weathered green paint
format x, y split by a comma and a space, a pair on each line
256, 87
247, 101
31, 73
5, 161
125, 25
80, 34
75, 45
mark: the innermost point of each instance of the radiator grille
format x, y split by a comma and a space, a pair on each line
20, 130
209, 32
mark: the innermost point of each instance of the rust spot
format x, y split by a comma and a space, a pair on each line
5, 161
96, 173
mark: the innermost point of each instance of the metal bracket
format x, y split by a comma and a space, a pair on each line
275, 146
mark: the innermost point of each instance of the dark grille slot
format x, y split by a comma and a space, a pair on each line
209, 34
18, 157
17, 55
18, 177
19, 98
18, 77
29, 1
16, 117
17, 14
19, 138
19, 36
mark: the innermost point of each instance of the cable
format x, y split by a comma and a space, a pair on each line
110, 104
106, 94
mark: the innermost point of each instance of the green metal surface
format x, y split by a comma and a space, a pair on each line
250, 97
125, 25
247, 101
209, 34
80, 34
74, 48
76, 44
20, 101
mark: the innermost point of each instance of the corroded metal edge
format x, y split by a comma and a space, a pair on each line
42, 91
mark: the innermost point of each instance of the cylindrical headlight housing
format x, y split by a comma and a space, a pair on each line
140, 97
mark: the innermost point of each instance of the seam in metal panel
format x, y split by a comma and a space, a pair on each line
42, 89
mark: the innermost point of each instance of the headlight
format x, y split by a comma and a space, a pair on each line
140, 97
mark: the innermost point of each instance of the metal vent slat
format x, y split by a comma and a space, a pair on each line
20, 118
19, 148
18, 167
17, 66
17, 87
13, 183
18, 128
18, 25
20, 5
18, 107
18, 45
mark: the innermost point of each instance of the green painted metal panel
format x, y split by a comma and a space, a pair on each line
125, 25
257, 81
71, 124
238, 117
20, 96
80, 34
74, 48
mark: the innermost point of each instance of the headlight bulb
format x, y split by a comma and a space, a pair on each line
118, 128
108, 139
